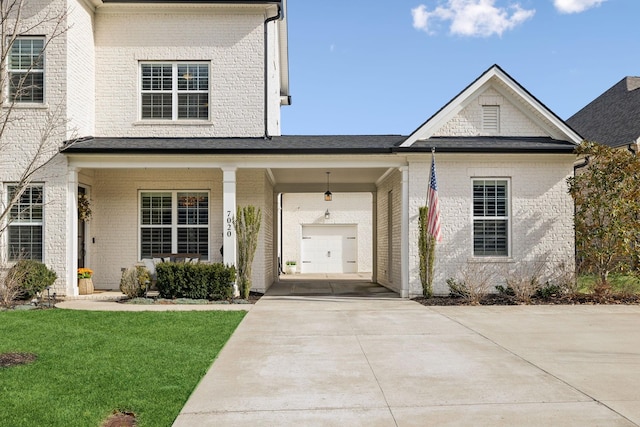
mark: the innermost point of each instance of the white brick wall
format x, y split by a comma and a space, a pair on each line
468, 122
253, 188
300, 209
114, 225
232, 42
389, 272
80, 70
22, 137
542, 211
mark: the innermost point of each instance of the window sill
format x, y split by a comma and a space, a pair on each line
27, 106
207, 123
491, 260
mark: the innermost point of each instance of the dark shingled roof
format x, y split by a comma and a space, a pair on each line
613, 118
313, 144
493, 144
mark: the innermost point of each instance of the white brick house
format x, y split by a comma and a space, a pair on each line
173, 115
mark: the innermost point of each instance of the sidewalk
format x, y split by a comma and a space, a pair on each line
337, 361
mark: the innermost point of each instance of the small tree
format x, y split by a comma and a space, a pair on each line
247, 225
427, 246
607, 209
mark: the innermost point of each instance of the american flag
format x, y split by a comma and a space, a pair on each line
433, 219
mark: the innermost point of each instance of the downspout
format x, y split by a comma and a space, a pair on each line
277, 17
584, 163
631, 148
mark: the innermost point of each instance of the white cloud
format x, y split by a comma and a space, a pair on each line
475, 18
575, 6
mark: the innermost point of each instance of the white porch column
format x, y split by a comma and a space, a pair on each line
404, 234
374, 237
72, 232
229, 208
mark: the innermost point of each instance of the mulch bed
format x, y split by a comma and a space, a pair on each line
502, 299
14, 359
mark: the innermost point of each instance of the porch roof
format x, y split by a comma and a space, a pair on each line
314, 144
489, 144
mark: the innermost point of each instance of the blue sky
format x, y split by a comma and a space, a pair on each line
374, 67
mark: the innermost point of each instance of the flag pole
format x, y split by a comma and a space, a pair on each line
427, 241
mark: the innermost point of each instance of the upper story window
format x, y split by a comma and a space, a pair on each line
490, 217
26, 70
174, 91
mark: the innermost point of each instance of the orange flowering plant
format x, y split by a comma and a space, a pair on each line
85, 273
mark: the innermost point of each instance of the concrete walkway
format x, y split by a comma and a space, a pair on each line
352, 361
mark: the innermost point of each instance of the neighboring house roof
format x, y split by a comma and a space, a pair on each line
613, 118
497, 79
315, 144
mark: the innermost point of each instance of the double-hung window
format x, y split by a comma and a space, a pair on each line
25, 227
174, 222
174, 91
490, 217
26, 70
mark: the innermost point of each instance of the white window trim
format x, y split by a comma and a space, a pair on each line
174, 95
174, 219
509, 218
5, 254
9, 70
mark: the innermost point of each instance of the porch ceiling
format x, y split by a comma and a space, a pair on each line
349, 179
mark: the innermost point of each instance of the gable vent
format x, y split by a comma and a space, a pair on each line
491, 119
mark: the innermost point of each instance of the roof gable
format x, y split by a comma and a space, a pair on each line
461, 117
612, 118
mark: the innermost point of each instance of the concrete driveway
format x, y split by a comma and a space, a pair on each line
365, 361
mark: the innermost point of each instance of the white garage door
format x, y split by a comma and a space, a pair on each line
329, 249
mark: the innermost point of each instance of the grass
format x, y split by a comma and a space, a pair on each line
627, 284
92, 363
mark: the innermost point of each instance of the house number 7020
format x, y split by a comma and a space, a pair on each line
229, 223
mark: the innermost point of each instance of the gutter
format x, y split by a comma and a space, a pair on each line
278, 17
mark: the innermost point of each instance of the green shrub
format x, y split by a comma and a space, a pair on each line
505, 290
196, 281
457, 289
135, 281
31, 277
549, 290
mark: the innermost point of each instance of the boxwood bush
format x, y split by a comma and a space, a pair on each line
32, 277
196, 281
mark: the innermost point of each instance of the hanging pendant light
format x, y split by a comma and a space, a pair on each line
327, 194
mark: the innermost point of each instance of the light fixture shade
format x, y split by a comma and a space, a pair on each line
327, 194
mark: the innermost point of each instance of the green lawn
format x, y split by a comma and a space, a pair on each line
628, 284
92, 363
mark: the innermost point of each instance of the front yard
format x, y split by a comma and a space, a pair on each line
90, 364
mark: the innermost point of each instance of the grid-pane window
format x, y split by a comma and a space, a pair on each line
193, 223
26, 70
174, 91
490, 217
174, 222
25, 224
